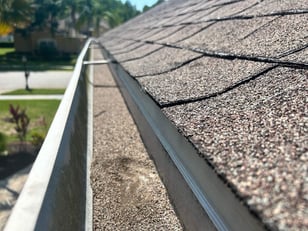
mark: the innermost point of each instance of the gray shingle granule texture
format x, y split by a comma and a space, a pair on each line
127, 191
256, 137
300, 56
158, 62
137, 53
184, 32
219, 78
200, 78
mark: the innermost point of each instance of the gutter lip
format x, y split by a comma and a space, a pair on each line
217, 199
89, 191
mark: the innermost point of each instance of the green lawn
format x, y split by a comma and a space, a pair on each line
36, 92
40, 112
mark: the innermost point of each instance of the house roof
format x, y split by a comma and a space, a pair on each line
232, 76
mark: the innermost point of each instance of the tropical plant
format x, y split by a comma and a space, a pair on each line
21, 121
113, 11
15, 14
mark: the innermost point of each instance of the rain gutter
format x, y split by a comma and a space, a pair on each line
201, 199
57, 194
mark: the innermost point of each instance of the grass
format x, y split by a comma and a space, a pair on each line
36, 92
40, 112
11, 60
4, 51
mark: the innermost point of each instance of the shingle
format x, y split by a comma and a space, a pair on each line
285, 33
164, 33
169, 21
139, 52
216, 9
132, 46
176, 20
300, 56
118, 45
164, 60
272, 6
199, 16
200, 78
256, 137
173, 17
266, 36
189, 7
148, 33
226, 10
223, 35
203, 5
144, 20
185, 32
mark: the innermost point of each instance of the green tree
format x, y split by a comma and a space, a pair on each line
33, 14
46, 14
71, 8
114, 12
86, 14
128, 11
15, 14
146, 8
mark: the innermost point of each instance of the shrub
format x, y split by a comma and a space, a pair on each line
6, 45
37, 140
2, 142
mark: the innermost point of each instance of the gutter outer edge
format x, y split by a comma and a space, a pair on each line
89, 191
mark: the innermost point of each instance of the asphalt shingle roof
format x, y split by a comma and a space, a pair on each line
232, 76
201, 78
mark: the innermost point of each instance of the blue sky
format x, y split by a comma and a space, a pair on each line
141, 3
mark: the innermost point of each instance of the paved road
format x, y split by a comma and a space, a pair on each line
43, 79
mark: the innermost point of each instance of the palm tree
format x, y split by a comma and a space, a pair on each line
15, 14
112, 12
73, 8
46, 14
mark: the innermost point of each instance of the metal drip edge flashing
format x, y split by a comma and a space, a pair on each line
218, 202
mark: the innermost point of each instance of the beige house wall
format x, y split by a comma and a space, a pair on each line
22, 44
30, 42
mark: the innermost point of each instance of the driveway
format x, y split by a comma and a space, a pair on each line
42, 79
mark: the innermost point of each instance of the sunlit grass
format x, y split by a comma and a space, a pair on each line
5, 50
36, 92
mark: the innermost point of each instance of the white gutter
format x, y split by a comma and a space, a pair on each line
54, 196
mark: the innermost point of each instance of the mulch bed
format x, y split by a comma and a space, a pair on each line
15, 161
